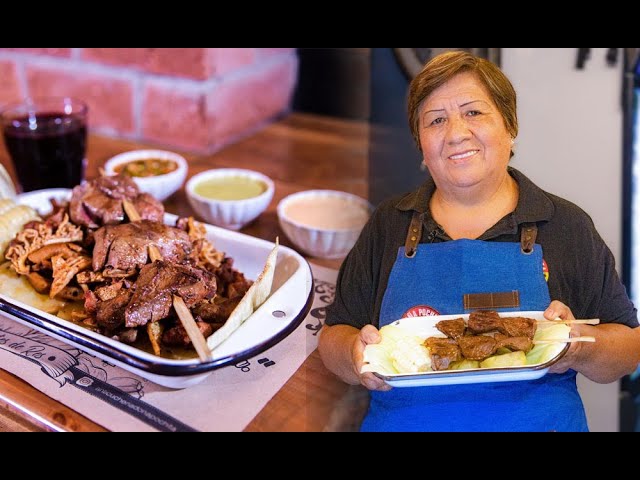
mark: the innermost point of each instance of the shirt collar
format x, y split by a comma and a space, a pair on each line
534, 205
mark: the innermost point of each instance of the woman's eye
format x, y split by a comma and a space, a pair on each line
438, 121
473, 113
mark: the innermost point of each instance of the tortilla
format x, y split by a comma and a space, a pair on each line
255, 296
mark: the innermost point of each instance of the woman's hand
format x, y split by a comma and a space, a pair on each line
560, 310
342, 347
616, 351
368, 335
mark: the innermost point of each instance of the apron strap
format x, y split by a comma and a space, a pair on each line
413, 236
528, 235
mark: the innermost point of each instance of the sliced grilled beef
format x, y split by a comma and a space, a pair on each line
477, 348
110, 314
156, 285
452, 328
177, 336
99, 202
515, 344
231, 282
149, 208
484, 321
124, 247
519, 327
443, 351
216, 312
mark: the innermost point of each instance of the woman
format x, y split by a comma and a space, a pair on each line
478, 226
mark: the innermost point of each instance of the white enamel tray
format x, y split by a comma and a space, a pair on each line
425, 327
288, 304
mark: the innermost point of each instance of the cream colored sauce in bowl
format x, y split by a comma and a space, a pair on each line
329, 213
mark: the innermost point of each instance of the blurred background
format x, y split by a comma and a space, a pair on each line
577, 113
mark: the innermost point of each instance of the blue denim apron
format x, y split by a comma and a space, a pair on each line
437, 275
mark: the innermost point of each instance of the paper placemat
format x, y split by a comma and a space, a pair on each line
121, 401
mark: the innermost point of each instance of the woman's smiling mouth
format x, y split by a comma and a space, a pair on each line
464, 155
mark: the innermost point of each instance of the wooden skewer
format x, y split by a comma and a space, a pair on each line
184, 314
565, 340
590, 321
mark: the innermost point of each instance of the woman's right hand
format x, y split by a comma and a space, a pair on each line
368, 335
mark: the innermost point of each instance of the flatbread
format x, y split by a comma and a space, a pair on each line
255, 296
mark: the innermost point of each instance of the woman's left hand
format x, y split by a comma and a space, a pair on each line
560, 310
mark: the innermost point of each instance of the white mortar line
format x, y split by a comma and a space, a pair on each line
137, 88
21, 74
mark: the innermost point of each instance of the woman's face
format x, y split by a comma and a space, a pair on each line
463, 136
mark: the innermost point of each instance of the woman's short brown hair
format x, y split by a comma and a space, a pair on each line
442, 68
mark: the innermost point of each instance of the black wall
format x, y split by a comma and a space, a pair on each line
394, 160
334, 82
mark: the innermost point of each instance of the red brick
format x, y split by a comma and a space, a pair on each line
173, 117
242, 104
56, 52
10, 90
183, 62
225, 60
109, 99
267, 52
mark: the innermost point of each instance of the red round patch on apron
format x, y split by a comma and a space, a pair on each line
420, 311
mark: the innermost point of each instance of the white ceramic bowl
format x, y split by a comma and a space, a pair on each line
231, 214
314, 236
159, 186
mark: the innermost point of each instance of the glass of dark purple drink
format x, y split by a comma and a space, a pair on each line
47, 139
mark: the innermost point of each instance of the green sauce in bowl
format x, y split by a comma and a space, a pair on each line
230, 188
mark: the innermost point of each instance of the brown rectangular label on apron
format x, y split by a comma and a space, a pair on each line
491, 301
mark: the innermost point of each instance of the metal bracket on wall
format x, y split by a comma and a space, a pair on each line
584, 54
413, 59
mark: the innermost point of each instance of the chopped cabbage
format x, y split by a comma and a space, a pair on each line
377, 359
514, 359
543, 353
409, 356
398, 352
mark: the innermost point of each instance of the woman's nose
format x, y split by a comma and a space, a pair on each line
458, 130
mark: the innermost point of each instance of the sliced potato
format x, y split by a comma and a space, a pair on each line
18, 287
464, 365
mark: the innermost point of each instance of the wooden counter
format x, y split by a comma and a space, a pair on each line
299, 152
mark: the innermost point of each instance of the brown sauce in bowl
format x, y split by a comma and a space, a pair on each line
148, 167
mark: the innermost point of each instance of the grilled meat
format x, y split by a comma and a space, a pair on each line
452, 328
484, 321
99, 202
126, 247
444, 351
477, 347
157, 283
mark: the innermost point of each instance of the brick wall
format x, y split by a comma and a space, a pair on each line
198, 99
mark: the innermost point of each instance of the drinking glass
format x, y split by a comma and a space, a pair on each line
46, 139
